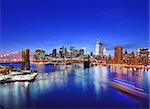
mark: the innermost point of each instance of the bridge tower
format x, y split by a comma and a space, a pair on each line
25, 59
87, 62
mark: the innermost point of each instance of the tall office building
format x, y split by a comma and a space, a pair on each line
91, 53
99, 49
54, 53
81, 52
118, 54
25, 59
62, 52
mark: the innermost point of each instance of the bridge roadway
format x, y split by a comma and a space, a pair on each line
77, 60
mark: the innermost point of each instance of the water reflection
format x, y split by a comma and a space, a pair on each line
96, 79
73, 81
129, 75
82, 78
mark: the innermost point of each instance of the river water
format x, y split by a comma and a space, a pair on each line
73, 87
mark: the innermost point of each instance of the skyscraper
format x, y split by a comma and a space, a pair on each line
99, 49
118, 54
61, 51
54, 53
81, 52
25, 59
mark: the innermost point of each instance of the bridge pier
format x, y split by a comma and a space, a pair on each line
87, 62
25, 59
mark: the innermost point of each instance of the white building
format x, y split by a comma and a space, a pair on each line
99, 49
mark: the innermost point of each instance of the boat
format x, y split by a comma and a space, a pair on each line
20, 76
128, 88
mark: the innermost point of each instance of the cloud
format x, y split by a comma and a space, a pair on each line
131, 45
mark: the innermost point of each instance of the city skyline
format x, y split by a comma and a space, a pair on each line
52, 24
74, 54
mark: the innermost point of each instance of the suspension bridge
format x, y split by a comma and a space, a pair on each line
13, 56
16, 56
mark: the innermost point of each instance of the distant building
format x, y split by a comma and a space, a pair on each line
105, 54
73, 52
62, 52
39, 54
143, 56
109, 59
99, 49
81, 52
91, 54
47, 57
129, 58
118, 55
72, 48
65, 52
54, 53
25, 59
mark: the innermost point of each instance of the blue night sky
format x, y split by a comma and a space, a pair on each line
49, 24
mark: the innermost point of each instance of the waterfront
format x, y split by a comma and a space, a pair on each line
59, 87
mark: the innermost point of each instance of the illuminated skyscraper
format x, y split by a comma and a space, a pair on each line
25, 59
99, 49
105, 53
118, 54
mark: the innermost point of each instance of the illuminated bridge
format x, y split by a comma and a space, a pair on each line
16, 56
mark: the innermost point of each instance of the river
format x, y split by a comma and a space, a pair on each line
73, 87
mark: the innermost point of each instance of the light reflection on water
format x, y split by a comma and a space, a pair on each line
74, 81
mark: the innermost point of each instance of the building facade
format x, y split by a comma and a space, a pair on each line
143, 56
99, 49
54, 53
118, 55
81, 52
129, 58
39, 55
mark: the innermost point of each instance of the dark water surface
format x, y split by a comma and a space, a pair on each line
73, 87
